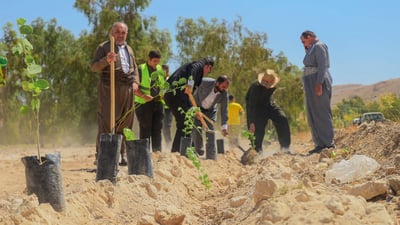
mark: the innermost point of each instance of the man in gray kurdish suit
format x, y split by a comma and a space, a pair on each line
208, 95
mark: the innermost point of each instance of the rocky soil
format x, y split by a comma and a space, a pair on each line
279, 189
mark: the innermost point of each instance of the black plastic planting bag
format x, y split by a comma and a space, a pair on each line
139, 160
220, 146
108, 157
44, 180
211, 151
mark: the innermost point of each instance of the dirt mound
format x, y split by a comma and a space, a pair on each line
279, 189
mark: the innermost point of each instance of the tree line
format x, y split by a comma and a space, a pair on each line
68, 111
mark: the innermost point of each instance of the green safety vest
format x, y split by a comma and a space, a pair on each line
145, 81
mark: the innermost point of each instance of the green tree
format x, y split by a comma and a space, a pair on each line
241, 54
143, 34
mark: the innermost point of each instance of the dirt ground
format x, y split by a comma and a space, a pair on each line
279, 189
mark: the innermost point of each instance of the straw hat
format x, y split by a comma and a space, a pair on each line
268, 78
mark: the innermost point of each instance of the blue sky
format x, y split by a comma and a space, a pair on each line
363, 36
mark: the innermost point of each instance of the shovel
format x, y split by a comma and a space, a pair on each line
110, 143
249, 156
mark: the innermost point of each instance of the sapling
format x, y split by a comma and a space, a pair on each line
31, 83
190, 151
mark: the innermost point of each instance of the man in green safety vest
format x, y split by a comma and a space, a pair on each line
148, 100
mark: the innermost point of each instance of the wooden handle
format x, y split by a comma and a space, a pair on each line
112, 88
202, 121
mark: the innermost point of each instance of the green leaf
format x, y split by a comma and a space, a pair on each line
166, 86
17, 49
156, 74
129, 134
27, 45
42, 84
34, 69
21, 21
23, 109
182, 80
36, 92
25, 29
27, 86
29, 60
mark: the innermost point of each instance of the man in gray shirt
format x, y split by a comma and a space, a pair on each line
317, 84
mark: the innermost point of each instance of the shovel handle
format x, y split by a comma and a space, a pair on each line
241, 148
112, 88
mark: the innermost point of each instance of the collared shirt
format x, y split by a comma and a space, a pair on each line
124, 56
209, 100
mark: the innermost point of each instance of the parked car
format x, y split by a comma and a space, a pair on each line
368, 117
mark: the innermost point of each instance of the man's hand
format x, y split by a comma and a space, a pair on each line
318, 89
188, 90
135, 87
199, 116
111, 57
252, 128
224, 132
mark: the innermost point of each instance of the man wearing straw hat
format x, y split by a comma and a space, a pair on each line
126, 78
260, 108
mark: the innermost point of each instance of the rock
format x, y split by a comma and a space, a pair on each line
237, 201
394, 184
302, 197
151, 191
335, 205
146, 220
275, 212
370, 189
390, 170
164, 174
227, 214
264, 189
176, 171
170, 216
377, 214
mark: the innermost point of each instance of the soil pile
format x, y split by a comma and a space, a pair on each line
279, 189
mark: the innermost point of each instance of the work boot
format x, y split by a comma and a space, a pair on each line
317, 149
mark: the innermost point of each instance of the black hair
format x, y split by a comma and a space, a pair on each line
308, 33
154, 54
223, 78
165, 66
231, 97
208, 61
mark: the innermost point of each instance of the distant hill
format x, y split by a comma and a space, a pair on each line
367, 92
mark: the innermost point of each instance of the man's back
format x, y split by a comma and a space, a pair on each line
235, 110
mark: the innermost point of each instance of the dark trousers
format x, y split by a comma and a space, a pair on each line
124, 112
167, 125
150, 116
280, 123
175, 102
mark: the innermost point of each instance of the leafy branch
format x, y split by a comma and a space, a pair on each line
251, 137
164, 88
203, 177
31, 83
190, 151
